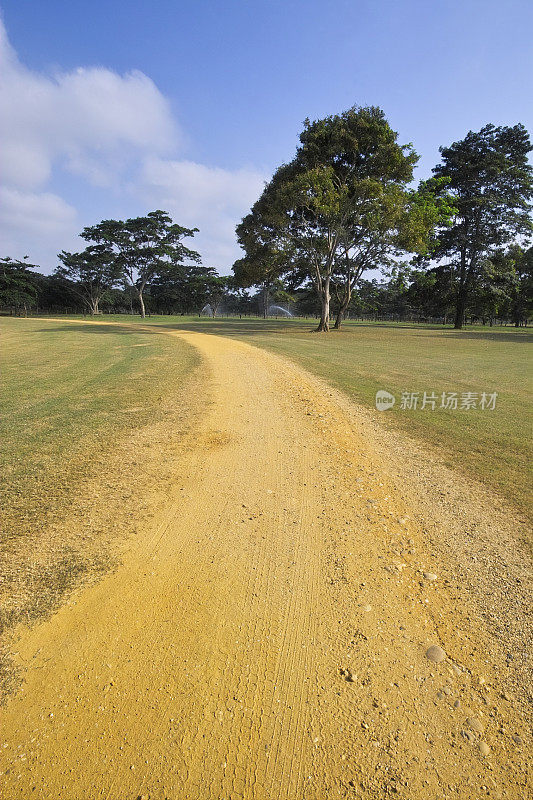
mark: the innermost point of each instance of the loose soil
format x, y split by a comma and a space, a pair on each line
271, 629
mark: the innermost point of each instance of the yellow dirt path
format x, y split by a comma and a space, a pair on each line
266, 637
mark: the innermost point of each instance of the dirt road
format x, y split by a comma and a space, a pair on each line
266, 637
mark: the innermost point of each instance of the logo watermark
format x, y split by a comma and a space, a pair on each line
436, 401
384, 400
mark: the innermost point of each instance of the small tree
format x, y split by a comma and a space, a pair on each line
510, 273
264, 263
145, 247
521, 292
491, 182
18, 284
216, 287
431, 291
92, 273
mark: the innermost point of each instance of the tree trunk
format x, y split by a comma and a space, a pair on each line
323, 325
349, 282
460, 302
460, 312
141, 302
342, 311
339, 319
265, 301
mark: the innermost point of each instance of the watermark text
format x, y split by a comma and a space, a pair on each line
435, 401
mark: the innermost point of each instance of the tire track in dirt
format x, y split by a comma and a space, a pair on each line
208, 665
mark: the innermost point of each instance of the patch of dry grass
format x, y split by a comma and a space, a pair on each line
88, 416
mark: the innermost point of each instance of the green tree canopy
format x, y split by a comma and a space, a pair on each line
491, 182
340, 207
18, 283
144, 247
93, 272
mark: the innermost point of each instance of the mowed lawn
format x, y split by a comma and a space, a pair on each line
72, 386
69, 390
491, 445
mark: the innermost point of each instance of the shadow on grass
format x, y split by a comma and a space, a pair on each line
222, 328
510, 335
120, 329
257, 327
232, 327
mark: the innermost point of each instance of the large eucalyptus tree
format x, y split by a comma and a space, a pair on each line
338, 208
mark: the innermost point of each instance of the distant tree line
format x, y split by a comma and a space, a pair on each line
127, 266
453, 249
84, 289
504, 296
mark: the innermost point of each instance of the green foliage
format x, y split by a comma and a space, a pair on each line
506, 284
18, 283
491, 182
214, 287
427, 209
144, 247
92, 273
337, 208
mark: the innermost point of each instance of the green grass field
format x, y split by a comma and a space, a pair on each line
64, 385
68, 389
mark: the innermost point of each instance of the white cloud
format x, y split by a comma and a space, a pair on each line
109, 131
38, 212
33, 222
78, 119
209, 198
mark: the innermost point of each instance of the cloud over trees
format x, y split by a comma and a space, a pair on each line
65, 134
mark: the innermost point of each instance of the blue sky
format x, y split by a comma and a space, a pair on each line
115, 108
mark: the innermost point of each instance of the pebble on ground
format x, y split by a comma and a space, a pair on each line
435, 654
